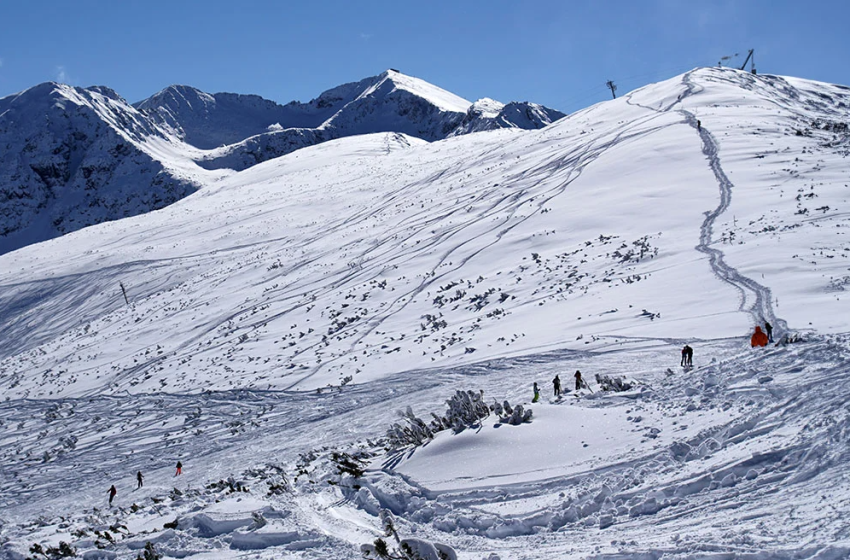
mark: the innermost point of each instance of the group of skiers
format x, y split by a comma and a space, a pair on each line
760, 338
140, 481
556, 384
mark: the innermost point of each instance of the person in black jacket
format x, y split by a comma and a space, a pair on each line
687, 356
112, 492
139, 478
557, 383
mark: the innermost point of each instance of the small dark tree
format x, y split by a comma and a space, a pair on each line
149, 553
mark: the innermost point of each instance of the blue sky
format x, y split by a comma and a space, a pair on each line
559, 53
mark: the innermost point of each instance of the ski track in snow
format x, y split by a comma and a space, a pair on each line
761, 309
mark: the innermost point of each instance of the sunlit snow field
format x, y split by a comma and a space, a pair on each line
288, 311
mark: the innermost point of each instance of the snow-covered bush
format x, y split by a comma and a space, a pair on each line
406, 549
514, 415
354, 465
612, 383
149, 553
414, 432
466, 408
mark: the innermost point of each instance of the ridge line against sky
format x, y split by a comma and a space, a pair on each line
559, 54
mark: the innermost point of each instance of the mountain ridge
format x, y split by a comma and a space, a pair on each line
76, 157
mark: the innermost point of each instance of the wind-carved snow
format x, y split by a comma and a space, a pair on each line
283, 314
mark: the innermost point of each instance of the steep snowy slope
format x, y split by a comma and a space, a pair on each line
70, 158
280, 315
376, 254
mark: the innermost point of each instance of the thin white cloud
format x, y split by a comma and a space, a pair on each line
61, 75
365, 36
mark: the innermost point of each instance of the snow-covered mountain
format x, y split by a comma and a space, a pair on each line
280, 316
71, 158
248, 130
75, 157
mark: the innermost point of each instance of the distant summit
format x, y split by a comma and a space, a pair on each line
244, 130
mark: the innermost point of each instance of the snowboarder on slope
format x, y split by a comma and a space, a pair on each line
759, 338
687, 356
139, 478
536, 393
768, 328
179, 468
578, 380
112, 492
557, 383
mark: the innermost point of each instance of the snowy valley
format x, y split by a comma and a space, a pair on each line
284, 316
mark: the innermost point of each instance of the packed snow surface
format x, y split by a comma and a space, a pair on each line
277, 319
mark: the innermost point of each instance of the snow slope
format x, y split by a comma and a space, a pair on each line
285, 312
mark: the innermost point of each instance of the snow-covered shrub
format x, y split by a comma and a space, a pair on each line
414, 432
514, 416
407, 549
149, 553
612, 383
64, 550
466, 408
354, 465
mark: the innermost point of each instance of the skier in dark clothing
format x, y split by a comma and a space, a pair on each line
112, 492
699, 125
768, 328
578, 380
687, 356
139, 478
179, 468
557, 383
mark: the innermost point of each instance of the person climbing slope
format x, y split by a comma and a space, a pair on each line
557, 384
758, 339
769, 330
112, 492
536, 393
578, 380
139, 478
179, 468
